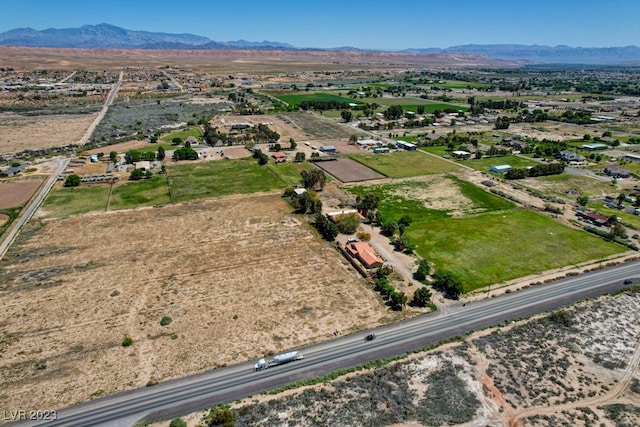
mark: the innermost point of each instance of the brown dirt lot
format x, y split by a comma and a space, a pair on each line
120, 147
347, 170
18, 133
14, 193
240, 277
3, 219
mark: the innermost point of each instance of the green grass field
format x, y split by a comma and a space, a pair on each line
485, 164
297, 98
500, 246
147, 192
72, 201
404, 164
187, 181
411, 104
491, 241
194, 131
289, 173
220, 178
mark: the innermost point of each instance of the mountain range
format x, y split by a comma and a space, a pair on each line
106, 36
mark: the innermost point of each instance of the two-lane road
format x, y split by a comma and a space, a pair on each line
177, 397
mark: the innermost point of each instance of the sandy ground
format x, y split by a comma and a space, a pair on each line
71, 289
14, 193
18, 133
3, 219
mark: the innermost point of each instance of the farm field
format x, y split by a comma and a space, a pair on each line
485, 164
404, 164
315, 127
18, 132
347, 170
221, 178
17, 192
500, 246
69, 297
186, 181
478, 236
411, 104
502, 376
298, 98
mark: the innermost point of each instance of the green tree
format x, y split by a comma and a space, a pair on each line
348, 223
420, 109
220, 415
166, 320
127, 341
423, 270
327, 229
448, 283
72, 181
353, 139
367, 203
292, 144
161, 154
394, 112
398, 300
389, 228
132, 156
620, 199
176, 141
136, 175
346, 115
313, 179
422, 297
113, 156
582, 200
300, 157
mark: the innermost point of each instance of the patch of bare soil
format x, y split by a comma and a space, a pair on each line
72, 289
278, 123
19, 133
3, 219
120, 147
14, 193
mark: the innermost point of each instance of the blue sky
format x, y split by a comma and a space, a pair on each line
372, 24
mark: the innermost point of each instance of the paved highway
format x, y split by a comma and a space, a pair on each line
177, 397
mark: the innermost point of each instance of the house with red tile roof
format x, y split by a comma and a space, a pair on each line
365, 253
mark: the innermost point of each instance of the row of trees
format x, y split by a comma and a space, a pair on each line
542, 169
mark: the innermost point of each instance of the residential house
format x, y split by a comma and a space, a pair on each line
279, 157
365, 253
616, 172
570, 156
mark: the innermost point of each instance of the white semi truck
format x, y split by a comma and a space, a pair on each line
278, 359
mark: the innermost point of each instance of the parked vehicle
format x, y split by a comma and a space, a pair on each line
370, 337
278, 359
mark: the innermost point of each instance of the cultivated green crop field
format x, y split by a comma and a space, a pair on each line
296, 99
487, 241
404, 164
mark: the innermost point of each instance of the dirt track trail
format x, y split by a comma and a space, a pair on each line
612, 395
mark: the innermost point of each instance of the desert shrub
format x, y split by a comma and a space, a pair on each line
178, 422
166, 320
127, 341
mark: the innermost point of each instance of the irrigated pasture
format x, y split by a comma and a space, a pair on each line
404, 164
239, 277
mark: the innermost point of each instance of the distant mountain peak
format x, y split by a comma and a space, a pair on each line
108, 36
